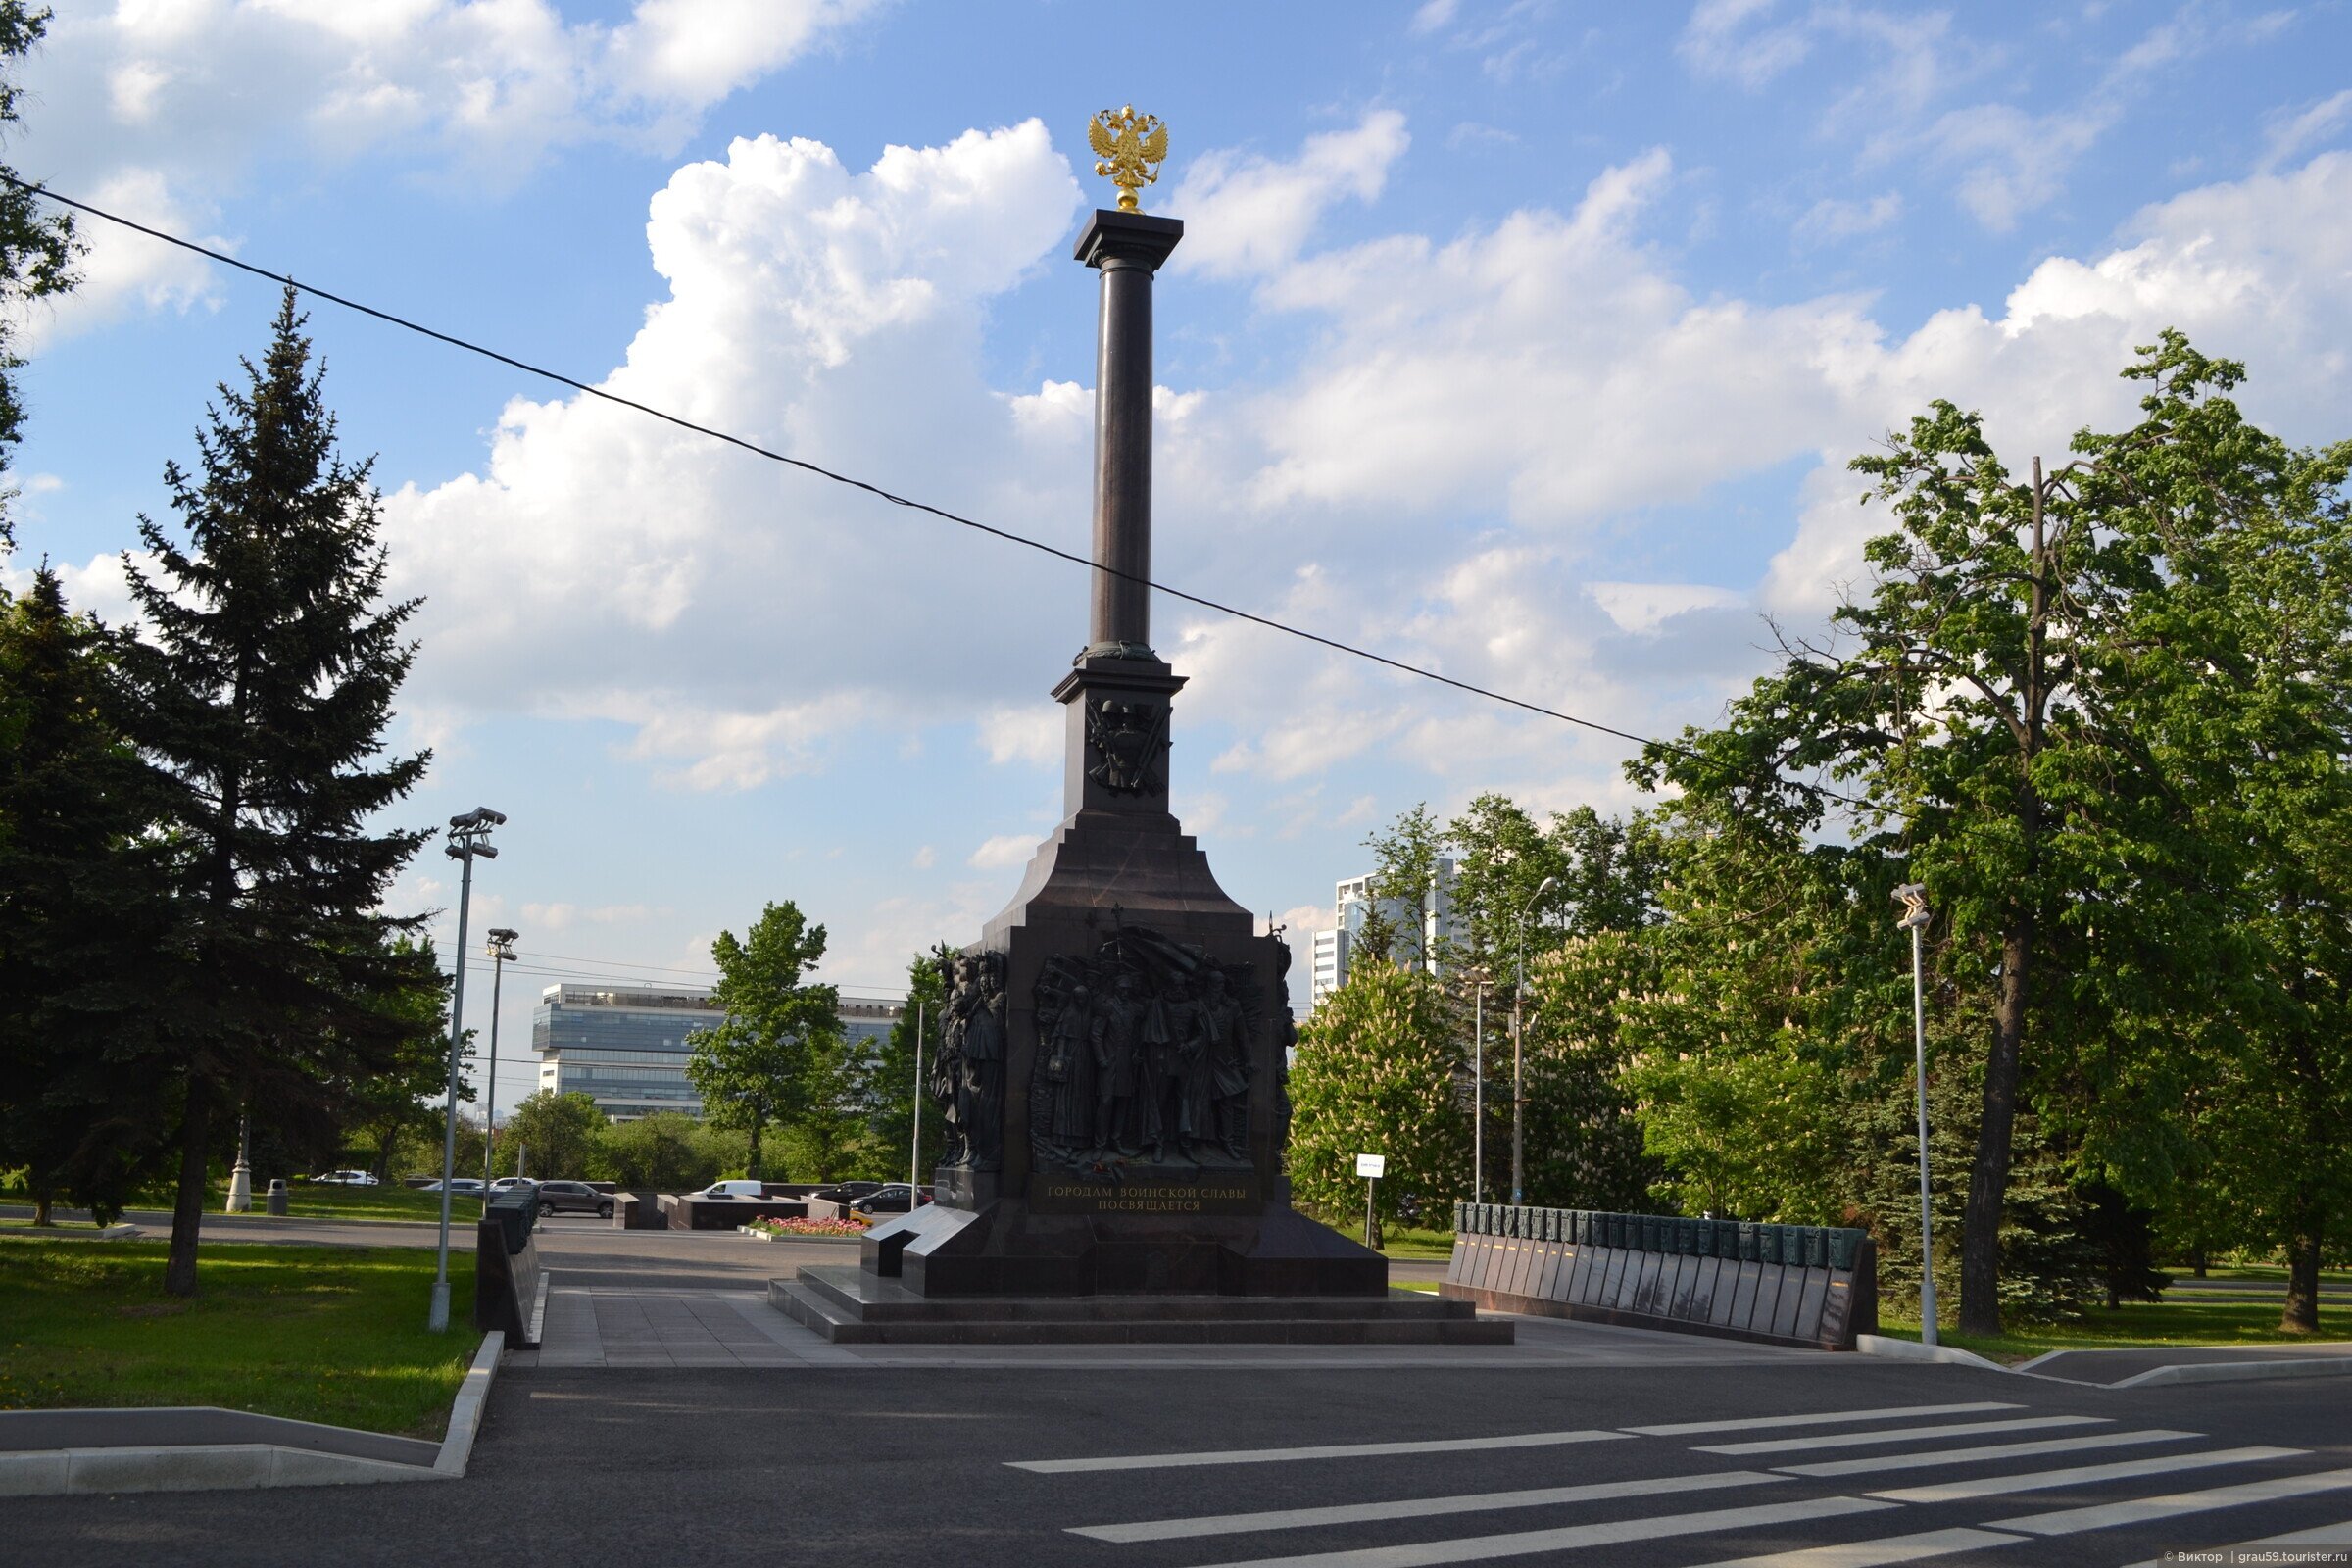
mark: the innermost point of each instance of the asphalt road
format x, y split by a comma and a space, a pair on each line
890, 1466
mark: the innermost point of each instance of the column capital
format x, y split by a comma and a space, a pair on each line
1113, 235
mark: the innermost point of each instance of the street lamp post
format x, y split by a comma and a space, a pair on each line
502, 953
469, 834
915, 1155
1479, 981
1914, 899
1518, 996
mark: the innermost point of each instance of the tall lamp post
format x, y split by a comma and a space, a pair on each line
469, 836
502, 953
1913, 897
1479, 981
1519, 996
915, 1155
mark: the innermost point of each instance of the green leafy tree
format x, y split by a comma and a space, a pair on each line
1584, 1145
665, 1151
2243, 697
263, 686
1978, 697
36, 248
762, 1064
83, 904
1377, 1072
556, 1135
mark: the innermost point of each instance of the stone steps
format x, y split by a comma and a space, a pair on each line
852, 1307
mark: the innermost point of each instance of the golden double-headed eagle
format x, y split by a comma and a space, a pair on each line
1129, 148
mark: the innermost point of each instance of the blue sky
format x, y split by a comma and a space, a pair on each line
1525, 340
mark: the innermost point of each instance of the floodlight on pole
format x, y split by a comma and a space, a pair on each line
502, 953
1518, 996
1913, 897
467, 839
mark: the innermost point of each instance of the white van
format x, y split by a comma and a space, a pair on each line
736, 1188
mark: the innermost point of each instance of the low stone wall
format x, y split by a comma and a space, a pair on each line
692, 1214
506, 1271
1804, 1285
639, 1211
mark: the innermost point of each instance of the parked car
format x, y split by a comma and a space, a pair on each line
505, 1183
470, 1185
890, 1200
573, 1197
845, 1192
730, 1188
346, 1178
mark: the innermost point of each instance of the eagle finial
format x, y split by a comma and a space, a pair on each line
1129, 148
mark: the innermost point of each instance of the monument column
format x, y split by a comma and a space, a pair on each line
1127, 248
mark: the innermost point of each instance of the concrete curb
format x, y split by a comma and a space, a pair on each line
2156, 1377
2237, 1372
232, 1466
465, 1414
1913, 1350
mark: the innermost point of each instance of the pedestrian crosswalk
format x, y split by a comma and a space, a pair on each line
1951, 1480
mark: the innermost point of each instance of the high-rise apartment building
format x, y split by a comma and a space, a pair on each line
626, 1048
1435, 921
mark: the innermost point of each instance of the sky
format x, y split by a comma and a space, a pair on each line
1525, 341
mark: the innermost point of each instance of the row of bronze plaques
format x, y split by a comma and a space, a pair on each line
1787, 1303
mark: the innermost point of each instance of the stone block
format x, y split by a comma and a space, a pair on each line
32, 1475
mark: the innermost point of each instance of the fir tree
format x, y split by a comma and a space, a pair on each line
82, 907
264, 685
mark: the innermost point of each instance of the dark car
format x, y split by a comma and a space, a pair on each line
573, 1197
891, 1200
845, 1192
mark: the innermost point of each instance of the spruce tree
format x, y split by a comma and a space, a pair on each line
83, 905
265, 680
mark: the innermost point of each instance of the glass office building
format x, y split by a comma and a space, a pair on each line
626, 1049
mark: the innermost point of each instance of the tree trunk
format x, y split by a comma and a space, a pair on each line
2302, 1314
1988, 1178
41, 1199
187, 1206
752, 1167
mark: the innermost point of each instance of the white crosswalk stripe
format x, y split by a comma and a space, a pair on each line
2335, 1535
1852, 1440
1825, 1418
1233, 1524
2142, 1510
2081, 1475
1333, 1450
1982, 1452
1594, 1515
1569, 1537
1878, 1554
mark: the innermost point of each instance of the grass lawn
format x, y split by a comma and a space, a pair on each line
2139, 1324
307, 1201
319, 1334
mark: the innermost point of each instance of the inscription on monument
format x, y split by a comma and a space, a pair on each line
1065, 1196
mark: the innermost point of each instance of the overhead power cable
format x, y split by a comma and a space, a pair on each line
875, 490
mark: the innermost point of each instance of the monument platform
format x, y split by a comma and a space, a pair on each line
853, 1307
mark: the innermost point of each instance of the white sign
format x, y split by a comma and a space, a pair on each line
1371, 1164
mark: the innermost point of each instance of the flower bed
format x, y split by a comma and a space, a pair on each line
773, 1228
